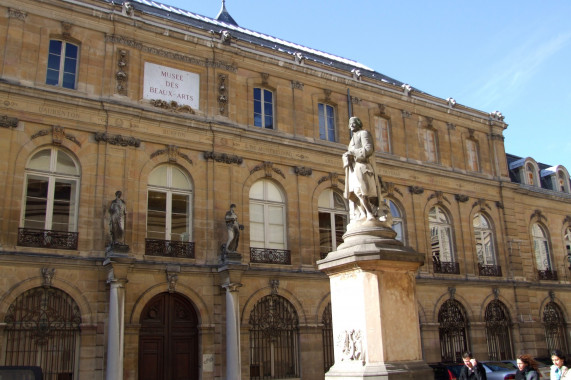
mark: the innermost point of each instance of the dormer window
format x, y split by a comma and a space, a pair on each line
556, 178
530, 174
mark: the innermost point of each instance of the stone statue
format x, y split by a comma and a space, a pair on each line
233, 229
362, 187
118, 215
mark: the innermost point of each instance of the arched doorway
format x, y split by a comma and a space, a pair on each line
453, 331
42, 329
168, 339
498, 331
555, 330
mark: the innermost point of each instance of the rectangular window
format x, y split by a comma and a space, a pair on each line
382, 134
263, 108
430, 145
326, 122
62, 64
473, 160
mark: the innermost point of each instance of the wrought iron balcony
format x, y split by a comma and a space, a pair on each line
32, 237
547, 274
169, 248
490, 270
270, 256
445, 267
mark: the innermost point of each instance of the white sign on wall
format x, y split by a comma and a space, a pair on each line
168, 84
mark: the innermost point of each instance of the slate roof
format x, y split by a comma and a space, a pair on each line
225, 22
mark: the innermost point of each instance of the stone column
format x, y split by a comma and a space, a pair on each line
373, 297
233, 357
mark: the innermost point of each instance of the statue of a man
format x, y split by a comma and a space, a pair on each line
233, 229
118, 215
362, 187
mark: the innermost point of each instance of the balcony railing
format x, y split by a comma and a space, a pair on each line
547, 274
270, 256
445, 267
490, 270
32, 237
169, 248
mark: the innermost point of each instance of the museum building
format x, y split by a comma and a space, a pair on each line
128, 129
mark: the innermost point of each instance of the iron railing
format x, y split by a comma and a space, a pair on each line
490, 270
169, 248
32, 237
547, 274
270, 256
446, 267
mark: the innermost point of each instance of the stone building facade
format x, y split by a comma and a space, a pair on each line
186, 115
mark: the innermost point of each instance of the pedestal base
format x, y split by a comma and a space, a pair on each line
414, 370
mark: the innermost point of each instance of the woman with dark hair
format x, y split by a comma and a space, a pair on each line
558, 369
526, 368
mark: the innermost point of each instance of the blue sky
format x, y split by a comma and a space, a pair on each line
506, 55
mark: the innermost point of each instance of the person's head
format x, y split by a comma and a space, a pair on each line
467, 358
355, 123
558, 358
526, 360
118, 193
232, 206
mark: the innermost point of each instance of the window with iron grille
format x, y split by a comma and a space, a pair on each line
555, 328
498, 331
327, 333
274, 339
42, 329
453, 331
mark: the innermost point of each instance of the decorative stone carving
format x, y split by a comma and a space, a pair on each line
117, 139
407, 89
302, 171
17, 14
439, 195
58, 134
223, 157
8, 122
452, 292
173, 152
121, 74
451, 126
327, 94
268, 167
451, 102
66, 29
416, 190
298, 57
382, 109
405, 114
461, 198
496, 292
168, 54
225, 37
274, 285
172, 106
48, 275
429, 121
481, 204
499, 205
538, 214
350, 343
222, 95
333, 177
265, 77
128, 9
296, 85
497, 115
356, 74
172, 279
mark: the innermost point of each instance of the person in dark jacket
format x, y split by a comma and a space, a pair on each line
472, 370
526, 368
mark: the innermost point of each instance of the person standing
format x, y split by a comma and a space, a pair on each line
558, 370
472, 370
526, 368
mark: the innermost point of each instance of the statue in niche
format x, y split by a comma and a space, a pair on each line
362, 188
233, 229
118, 216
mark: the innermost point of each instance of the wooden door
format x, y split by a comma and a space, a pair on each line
168, 339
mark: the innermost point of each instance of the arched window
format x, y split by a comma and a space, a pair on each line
531, 174
555, 330
169, 213
498, 331
441, 241
453, 331
49, 215
485, 243
398, 222
562, 181
267, 216
42, 329
333, 214
327, 333
543, 261
274, 339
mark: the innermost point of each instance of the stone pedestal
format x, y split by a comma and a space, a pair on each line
376, 329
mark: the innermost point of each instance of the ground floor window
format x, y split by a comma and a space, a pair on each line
453, 331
